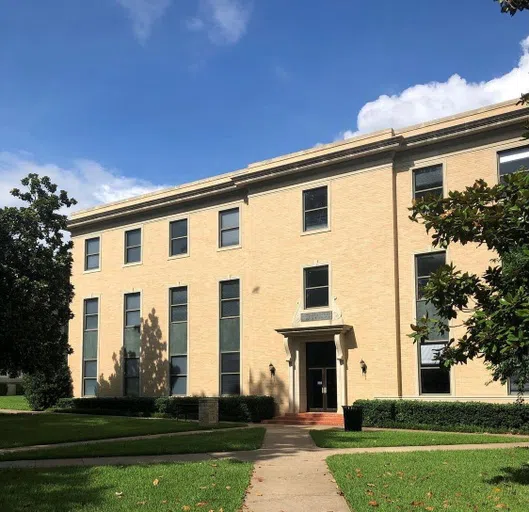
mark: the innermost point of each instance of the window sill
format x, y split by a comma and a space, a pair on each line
134, 264
178, 256
92, 271
229, 248
315, 231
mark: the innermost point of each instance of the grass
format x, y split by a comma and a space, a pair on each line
221, 441
487, 480
332, 438
17, 403
47, 428
198, 486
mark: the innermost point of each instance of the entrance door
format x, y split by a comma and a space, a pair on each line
315, 389
321, 376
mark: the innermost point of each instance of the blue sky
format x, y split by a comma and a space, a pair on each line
114, 97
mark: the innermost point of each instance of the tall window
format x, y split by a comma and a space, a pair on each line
178, 340
229, 227
433, 377
230, 338
513, 160
315, 209
178, 235
513, 386
90, 332
428, 181
131, 347
91, 249
316, 283
133, 246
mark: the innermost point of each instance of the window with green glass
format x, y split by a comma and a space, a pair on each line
131, 344
178, 237
178, 340
428, 182
230, 337
229, 228
133, 246
434, 379
92, 253
90, 336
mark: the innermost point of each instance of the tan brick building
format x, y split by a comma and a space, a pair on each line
297, 277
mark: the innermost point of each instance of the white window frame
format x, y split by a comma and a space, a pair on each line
124, 326
304, 287
221, 373
183, 255
99, 259
220, 230
326, 228
187, 340
125, 247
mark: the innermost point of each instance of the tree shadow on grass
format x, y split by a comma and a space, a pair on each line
514, 475
50, 490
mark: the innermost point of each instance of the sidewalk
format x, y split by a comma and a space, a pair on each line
290, 471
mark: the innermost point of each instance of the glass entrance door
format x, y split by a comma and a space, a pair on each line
315, 389
331, 395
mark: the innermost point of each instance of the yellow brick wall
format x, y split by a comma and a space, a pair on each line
368, 224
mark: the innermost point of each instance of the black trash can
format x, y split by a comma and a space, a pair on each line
352, 416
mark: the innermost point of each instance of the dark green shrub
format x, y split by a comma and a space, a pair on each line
19, 389
3, 389
376, 412
122, 406
181, 407
463, 416
233, 408
45, 389
251, 408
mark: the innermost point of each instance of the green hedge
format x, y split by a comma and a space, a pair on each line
237, 408
250, 408
480, 416
123, 406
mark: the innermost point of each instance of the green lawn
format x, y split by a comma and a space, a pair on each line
333, 438
484, 480
220, 441
18, 403
199, 486
48, 428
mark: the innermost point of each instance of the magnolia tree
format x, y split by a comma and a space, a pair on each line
493, 306
35, 290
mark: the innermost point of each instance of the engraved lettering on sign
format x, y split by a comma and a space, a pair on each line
316, 316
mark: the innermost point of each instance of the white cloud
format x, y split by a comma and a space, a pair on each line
224, 21
424, 102
144, 14
87, 181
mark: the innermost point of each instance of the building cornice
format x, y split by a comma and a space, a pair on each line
386, 143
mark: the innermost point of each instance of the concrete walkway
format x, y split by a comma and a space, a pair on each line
291, 475
290, 472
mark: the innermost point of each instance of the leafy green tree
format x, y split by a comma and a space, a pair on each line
493, 307
35, 289
513, 6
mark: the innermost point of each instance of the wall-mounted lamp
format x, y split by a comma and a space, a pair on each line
363, 365
272, 369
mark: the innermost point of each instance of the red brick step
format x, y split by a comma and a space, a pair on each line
331, 419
